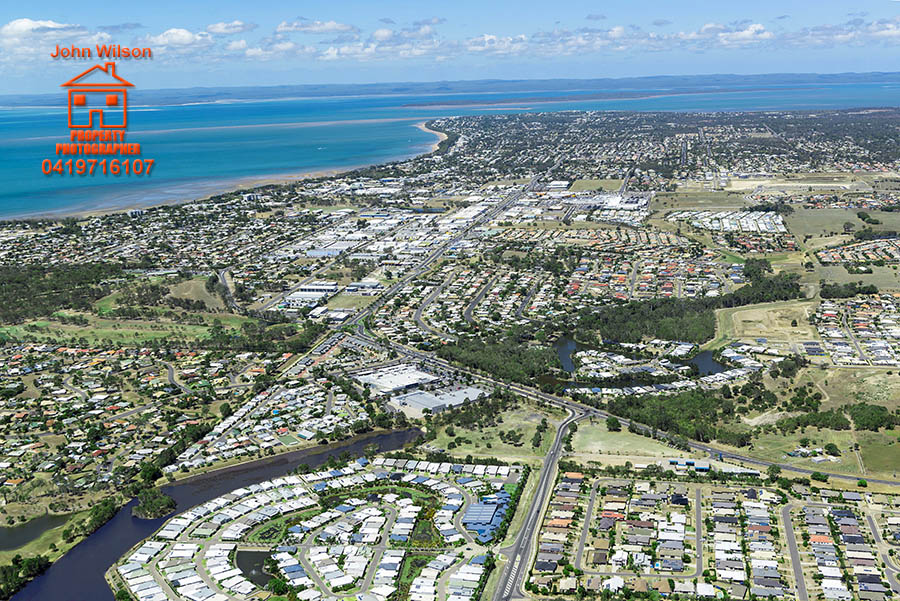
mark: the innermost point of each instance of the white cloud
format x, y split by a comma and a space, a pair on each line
29, 40
177, 37
885, 30
23, 28
230, 28
497, 45
305, 26
236, 45
257, 53
431, 21
383, 34
754, 32
283, 46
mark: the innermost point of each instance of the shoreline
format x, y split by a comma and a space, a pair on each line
423, 125
286, 455
251, 182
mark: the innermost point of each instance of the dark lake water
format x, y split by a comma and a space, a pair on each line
706, 364
78, 576
15, 536
251, 564
565, 348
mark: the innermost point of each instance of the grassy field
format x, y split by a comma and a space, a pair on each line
41, 545
775, 446
350, 301
772, 321
195, 289
585, 185
490, 587
843, 386
880, 451
118, 332
486, 442
595, 439
884, 278
697, 199
829, 222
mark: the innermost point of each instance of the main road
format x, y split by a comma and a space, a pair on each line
519, 553
359, 319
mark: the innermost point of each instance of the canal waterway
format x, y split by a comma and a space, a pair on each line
79, 575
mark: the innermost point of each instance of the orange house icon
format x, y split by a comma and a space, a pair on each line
98, 98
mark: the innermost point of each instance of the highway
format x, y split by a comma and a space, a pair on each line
568, 404
437, 253
533, 393
229, 297
519, 553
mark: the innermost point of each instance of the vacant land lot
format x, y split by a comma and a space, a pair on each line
705, 200
486, 442
884, 278
876, 386
775, 446
100, 330
350, 301
772, 321
608, 185
829, 222
878, 451
195, 289
788, 321
595, 439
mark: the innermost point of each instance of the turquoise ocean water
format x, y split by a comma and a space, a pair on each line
205, 147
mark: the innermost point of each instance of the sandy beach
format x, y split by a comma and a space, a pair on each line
441, 135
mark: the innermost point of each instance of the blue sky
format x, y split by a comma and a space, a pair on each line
273, 43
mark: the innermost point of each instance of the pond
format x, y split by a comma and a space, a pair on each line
251, 564
13, 537
706, 364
